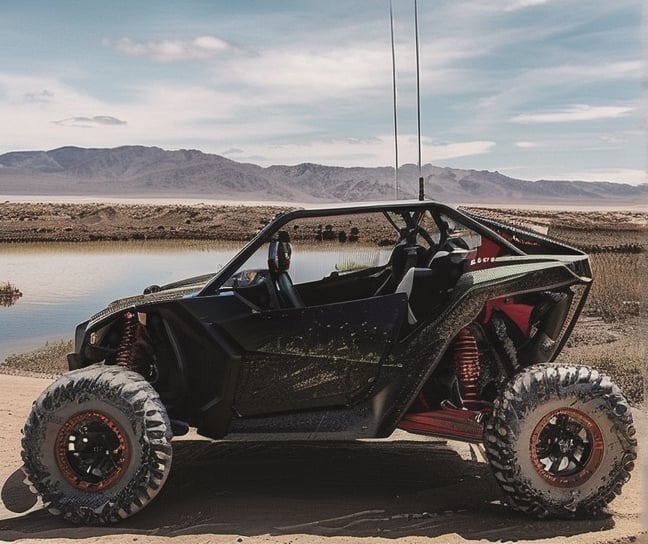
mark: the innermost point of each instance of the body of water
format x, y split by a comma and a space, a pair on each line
64, 284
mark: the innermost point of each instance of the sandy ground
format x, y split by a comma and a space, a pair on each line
404, 489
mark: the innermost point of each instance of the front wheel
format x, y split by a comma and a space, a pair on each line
96, 445
560, 441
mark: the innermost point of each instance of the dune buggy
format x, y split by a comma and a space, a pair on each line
343, 323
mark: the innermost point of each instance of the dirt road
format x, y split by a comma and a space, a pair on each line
405, 489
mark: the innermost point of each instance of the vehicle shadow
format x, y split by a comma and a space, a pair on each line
390, 489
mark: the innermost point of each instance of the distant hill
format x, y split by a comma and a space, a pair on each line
151, 171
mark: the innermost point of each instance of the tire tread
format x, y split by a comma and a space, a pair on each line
144, 409
526, 391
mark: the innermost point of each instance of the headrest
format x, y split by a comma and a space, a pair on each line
279, 253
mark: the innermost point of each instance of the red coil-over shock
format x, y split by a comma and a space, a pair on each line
459, 422
134, 351
125, 349
466, 363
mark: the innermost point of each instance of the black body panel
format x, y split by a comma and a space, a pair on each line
316, 356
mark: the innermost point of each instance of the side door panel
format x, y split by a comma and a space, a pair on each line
313, 357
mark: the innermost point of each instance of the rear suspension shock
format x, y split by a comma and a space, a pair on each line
466, 363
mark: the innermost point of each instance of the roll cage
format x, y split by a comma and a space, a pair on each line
405, 217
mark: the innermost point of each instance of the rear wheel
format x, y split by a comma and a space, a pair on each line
96, 445
560, 440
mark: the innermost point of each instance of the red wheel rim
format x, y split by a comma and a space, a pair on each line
91, 451
566, 447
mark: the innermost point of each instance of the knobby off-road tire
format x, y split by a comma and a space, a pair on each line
96, 445
560, 441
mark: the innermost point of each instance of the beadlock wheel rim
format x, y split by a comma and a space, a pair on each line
566, 447
92, 451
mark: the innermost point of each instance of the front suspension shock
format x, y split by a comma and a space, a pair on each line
134, 351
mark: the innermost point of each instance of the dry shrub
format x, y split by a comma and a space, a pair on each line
625, 361
620, 282
9, 294
601, 238
50, 359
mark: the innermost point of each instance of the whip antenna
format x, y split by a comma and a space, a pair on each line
393, 53
418, 102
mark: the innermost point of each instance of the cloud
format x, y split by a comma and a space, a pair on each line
514, 5
613, 139
89, 121
531, 86
38, 97
199, 48
31, 120
576, 112
296, 75
172, 115
369, 151
474, 8
623, 175
231, 151
439, 152
355, 69
211, 119
318, 89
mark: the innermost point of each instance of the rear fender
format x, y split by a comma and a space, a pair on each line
534, 322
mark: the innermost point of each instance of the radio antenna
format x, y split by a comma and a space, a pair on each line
418, 102
393, 53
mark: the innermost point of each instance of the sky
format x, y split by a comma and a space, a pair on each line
534, 89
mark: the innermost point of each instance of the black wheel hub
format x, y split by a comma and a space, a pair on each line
566, 447
92, 451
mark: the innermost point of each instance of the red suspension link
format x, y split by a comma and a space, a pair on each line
466, 361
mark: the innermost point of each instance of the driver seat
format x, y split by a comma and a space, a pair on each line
407, 254
279, 254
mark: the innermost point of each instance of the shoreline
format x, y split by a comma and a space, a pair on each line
197, 200
136, 200
121, 219
91, 222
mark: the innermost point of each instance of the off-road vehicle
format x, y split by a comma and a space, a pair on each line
343, 323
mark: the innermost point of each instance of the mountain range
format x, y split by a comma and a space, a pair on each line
140, 171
